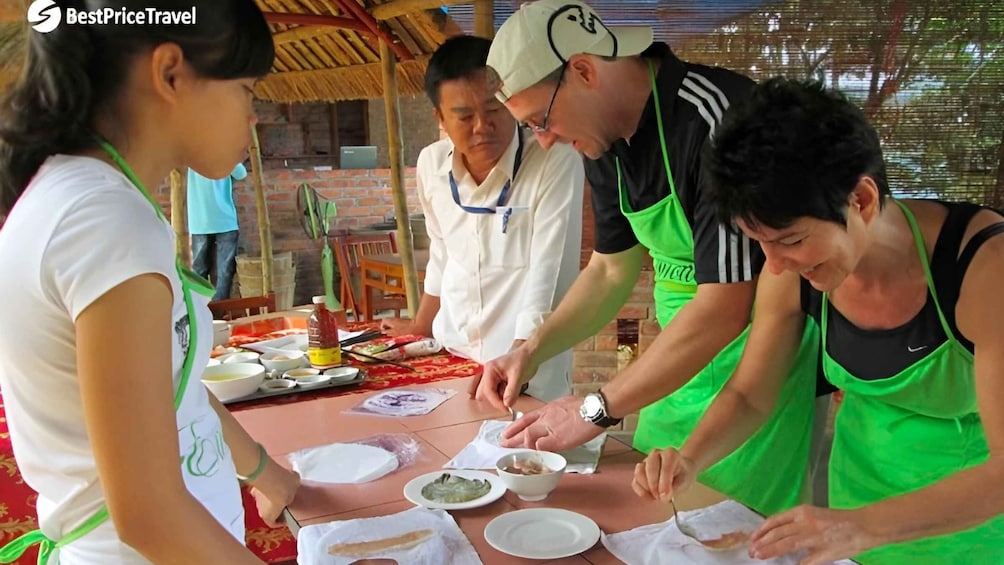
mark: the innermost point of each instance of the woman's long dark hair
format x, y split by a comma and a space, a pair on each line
71, 71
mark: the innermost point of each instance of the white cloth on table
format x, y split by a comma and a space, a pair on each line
343, 463
484, 451
442, 541
663, 544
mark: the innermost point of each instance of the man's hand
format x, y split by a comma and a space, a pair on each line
827, 535
556, 426
274, 490
503, 377
662, 474
397, 326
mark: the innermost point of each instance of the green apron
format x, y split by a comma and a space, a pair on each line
190, 282
905, 432
769, 472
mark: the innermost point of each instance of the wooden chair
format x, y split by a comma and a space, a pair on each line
233, 308
349, 249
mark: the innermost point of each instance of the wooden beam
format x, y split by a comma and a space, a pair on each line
362, 15
308, 32
395, 149
335, 138
315, 20
179, 218
396, 8
264, 224
484, 18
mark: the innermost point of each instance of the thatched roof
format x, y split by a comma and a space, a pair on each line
326, 63
315, 61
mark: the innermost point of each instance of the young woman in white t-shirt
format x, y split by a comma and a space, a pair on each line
102, 336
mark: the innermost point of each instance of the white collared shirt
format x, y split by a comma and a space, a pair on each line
496, 287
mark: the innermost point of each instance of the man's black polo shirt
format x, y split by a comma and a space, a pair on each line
693, 99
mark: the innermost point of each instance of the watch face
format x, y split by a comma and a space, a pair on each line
592, 407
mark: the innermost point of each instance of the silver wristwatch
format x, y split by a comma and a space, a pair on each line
594, 410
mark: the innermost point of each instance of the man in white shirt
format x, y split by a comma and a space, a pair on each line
504, 217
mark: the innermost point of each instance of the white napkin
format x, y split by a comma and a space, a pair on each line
403, 401
443, 544
663, 544
484, 451
343, 463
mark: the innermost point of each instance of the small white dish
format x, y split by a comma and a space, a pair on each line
342, 374
542, 533
301, 373
282, 360
240, 357
313, 380
275, 385
413, 490
212, 362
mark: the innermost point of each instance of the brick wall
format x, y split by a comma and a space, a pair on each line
360, 123
362, 196
418, 124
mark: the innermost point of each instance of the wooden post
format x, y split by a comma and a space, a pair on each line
179, 218
396, 152
264, 226
484, 18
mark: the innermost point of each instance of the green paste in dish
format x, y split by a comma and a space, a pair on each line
452, 489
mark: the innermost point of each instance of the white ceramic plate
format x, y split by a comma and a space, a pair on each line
413, 490
542, 533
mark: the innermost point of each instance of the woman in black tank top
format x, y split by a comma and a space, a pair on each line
905, 294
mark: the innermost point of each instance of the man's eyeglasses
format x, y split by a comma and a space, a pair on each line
545, 123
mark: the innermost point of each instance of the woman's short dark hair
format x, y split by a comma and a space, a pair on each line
74, 70
791, 149
458, 57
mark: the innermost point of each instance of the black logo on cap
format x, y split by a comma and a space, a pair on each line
564, 17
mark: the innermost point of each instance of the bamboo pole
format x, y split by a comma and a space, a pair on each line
179, 218
396, 153
484, 18
264, 225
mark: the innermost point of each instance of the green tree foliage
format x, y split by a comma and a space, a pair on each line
929, 73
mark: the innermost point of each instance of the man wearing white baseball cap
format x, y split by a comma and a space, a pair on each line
642, 117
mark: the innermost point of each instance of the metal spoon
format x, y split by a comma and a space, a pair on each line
685, 529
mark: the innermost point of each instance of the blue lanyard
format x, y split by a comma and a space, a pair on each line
503, 196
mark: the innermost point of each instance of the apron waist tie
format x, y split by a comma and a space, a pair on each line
15, 549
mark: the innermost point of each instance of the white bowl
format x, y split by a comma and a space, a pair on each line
276, 385
301, 373
212, 362
229, 381
221, 332
240, 357
342, 374
282, 362
536, 486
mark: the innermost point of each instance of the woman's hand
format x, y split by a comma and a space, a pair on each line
827, 535
273, 491
663, 473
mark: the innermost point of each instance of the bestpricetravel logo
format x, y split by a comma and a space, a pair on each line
44, 15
